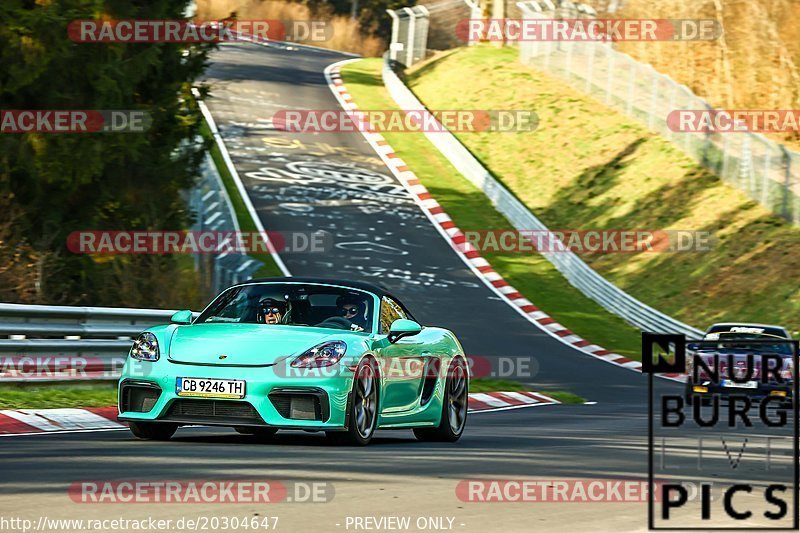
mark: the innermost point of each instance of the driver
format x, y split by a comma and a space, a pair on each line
353, 309
270, 311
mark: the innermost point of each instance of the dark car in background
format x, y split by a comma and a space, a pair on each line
733, 344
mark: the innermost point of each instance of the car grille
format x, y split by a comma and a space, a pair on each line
203, 410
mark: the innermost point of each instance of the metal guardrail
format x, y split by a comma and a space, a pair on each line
577, 272
65, 343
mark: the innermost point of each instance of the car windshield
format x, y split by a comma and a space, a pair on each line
782, 348
293, 304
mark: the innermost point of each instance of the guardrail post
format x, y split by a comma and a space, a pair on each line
787, 182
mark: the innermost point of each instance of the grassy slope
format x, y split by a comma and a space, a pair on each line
589, 167
536, 278
57, 396
246, 223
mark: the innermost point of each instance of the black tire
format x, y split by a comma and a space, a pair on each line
454, 407
259, 433
362, 407
152, 430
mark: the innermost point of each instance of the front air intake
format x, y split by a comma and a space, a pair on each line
138, 397
300, 404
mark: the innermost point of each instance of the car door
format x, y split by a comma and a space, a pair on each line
402, 363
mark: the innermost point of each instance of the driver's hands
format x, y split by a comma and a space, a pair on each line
356, 327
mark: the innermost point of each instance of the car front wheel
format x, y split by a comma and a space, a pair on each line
454, 407
152, 431
363, 407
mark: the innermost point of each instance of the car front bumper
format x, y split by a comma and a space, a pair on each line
147, 393
761, 391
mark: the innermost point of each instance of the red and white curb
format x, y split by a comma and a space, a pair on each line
15, 422
481, 402
465, 250
27, 421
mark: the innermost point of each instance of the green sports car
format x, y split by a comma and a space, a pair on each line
343, 357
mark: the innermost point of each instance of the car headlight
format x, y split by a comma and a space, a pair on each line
787, 372
322, 355
145, 348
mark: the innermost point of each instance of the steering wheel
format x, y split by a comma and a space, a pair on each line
335, 322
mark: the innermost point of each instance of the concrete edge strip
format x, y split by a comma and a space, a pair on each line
14, 422
455, 237
18, 422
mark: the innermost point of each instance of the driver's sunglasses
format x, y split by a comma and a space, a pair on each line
349, 310
271, 310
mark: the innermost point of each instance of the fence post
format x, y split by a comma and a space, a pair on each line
651, 118
395, 31
590, 67
631, 84
787, 182
672, 95
474, 13
726, 158
706, 141
610, 54
410, 40
765, 181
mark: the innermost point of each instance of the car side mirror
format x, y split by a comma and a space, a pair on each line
182, 317
402, 327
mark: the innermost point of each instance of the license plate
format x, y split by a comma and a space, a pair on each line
210, 388
746, 385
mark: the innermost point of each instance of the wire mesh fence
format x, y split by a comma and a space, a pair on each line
764, 169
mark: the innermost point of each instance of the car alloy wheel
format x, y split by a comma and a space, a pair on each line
457, 398
362, 407
454, 406
365, 401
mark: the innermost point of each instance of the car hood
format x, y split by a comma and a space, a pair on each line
244, 344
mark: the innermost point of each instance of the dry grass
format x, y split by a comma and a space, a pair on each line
347, 34
753, 66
